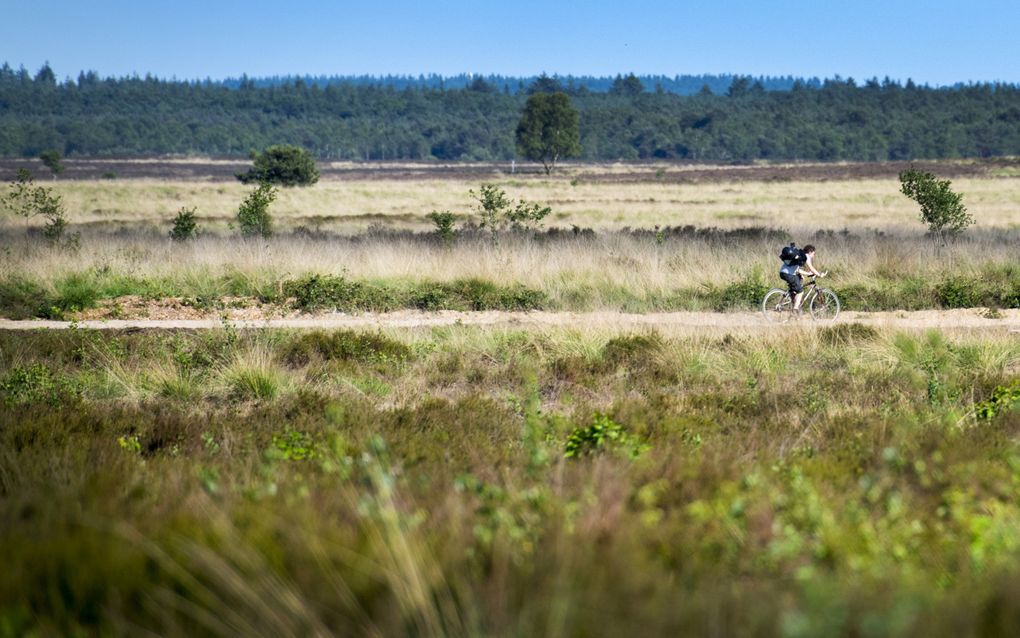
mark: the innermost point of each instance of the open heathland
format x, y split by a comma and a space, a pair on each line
489, 481
627, 238
523, 442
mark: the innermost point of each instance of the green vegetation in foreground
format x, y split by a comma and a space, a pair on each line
993, 286
471, 482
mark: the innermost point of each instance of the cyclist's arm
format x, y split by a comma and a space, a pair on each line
809, 269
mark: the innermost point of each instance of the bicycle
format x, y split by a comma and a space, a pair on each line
822, 303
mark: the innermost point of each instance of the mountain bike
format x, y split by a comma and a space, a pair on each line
822, 303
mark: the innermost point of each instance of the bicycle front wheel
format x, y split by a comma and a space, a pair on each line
825, 305
777, 306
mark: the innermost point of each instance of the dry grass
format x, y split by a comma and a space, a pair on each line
350, 206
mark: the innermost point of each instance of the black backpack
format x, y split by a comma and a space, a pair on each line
793, 256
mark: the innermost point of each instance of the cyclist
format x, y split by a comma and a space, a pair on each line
792, 272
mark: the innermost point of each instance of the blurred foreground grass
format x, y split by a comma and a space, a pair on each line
470, 481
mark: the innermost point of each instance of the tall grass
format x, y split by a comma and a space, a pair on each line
614, 271
843, 472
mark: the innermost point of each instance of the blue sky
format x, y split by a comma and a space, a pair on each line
936, 42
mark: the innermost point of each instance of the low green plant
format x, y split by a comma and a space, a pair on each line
253, 217
1003, 398
344, 345
185, 226
603, 434
444, 223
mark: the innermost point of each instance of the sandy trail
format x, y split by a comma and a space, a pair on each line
1006, 321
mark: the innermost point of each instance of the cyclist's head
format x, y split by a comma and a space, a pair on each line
809, 249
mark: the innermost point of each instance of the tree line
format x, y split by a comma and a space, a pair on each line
837, 119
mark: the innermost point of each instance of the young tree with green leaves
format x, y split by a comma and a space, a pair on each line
548, 130
941, 208
253, 216
26, 199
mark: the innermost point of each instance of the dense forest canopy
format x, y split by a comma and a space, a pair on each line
729, 118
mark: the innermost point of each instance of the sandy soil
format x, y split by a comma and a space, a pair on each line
1005, 321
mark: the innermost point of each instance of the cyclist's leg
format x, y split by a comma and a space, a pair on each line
796, 288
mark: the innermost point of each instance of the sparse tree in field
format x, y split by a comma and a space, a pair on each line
26, 199
443, 221
499, 213
185, 226
548, 130
941, 208
253, 216
283, 165
51, 159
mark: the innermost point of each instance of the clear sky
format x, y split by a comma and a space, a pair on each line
935, 41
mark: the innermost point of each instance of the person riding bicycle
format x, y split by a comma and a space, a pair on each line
797, 264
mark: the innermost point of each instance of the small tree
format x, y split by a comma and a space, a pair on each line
26, 199
548, 130
444, 225
283, 165
499, 213
941, 208
253, 216
185, 226
52, 161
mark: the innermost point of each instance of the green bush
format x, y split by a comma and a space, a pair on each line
185, 226
631, 349
743, 294
282, 164
443, 222
344, 345
253, 216
843, 334
23, 299
603, 434
336, 292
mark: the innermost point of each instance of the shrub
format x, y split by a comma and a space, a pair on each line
282, 164
444, 224
336, 292
843, 334
33, 384
184, 225
26, 199
499, 213
253, 215
22, 299
485, 295
746, 293
345, 345
631, 349
602, 434
1002, 399
51, 159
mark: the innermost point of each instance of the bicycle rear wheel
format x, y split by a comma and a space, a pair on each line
777, 306
825, 305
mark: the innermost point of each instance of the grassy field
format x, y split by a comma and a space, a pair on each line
467, 482
589, 479
638, 244
350, 206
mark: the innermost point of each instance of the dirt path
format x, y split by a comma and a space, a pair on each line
1007, 321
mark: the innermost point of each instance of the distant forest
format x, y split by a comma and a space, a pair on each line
705, 118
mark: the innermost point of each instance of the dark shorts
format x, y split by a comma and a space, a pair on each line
796, 287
